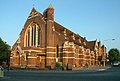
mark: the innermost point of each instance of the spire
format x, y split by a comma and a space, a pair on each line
49, 13
50, 6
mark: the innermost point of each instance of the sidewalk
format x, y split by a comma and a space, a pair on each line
93, 68
90, 69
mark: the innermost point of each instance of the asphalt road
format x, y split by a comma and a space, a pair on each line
111, 74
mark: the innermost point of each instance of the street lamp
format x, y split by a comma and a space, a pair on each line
104, 59
109, 39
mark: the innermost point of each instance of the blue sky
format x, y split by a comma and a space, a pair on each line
93, 19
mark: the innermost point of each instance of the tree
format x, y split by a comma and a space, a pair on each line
114, 55
4, 52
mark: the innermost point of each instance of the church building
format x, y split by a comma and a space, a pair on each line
42, 42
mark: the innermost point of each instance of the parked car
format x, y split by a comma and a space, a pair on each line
116, 64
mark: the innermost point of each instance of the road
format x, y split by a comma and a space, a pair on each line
112, 74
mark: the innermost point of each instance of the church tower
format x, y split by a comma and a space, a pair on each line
50, 43
49, 18
49, 13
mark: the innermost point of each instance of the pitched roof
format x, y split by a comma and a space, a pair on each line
60, 29
91, 45
34, 12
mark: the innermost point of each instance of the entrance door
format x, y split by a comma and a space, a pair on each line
17, 59
38, 60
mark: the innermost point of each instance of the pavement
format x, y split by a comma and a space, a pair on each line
93, 68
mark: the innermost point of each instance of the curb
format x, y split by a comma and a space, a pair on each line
102, 69
92, 69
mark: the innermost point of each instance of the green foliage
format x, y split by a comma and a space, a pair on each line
114, 55
4, 51
58, 65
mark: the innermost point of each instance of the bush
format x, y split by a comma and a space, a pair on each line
59, 65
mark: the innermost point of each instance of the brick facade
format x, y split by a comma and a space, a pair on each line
43, 42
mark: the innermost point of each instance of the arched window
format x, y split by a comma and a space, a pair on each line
34, 35
29, 38
38, 36
26, 40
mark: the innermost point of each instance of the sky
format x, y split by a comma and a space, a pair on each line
93, 19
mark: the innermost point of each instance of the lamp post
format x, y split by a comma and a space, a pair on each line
104, 58
109, 39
